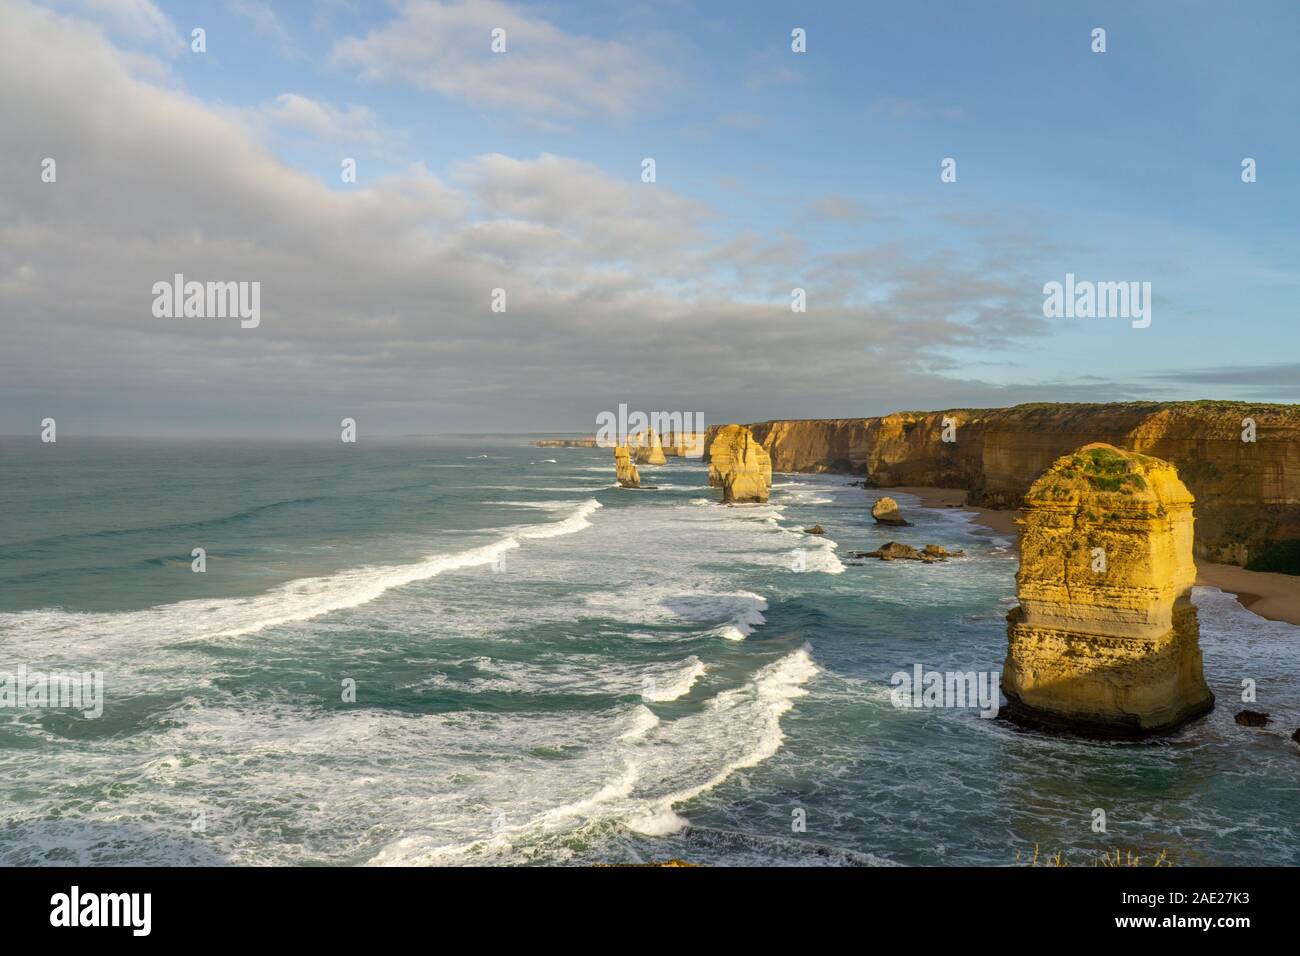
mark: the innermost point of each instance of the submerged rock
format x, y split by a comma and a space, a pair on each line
1105, 639
739, 465
815, 529
1251, 718
936, 551
885, 511
895, 551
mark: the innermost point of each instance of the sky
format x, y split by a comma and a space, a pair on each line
523, 170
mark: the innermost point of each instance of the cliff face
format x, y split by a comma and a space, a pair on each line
1105, 640
739, 465
1248, 493
565, 443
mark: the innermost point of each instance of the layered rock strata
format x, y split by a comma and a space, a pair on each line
1105, 639
1240, 460
624, 469
739, 465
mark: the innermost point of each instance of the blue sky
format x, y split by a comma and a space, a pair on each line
816, 169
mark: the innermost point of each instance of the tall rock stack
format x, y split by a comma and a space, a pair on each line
1105, 640
624, 469
739, 465
649, 450
684, 444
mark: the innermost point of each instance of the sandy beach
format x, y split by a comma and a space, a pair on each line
1275, 597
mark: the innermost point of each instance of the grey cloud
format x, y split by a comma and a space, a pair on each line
375, 299
446, 48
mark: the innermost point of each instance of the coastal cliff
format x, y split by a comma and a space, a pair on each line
1248, 492
1105, 638
739, 466
565, 443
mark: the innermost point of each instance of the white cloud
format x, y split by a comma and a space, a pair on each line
133, 21
375, 300
446, 48
266, 22
291, 114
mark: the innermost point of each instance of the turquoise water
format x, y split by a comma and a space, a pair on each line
549, 669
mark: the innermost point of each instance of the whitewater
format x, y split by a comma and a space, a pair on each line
457, 652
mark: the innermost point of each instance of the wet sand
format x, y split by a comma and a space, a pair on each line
1272, 596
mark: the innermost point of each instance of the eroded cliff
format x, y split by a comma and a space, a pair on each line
739, 465
1248, 491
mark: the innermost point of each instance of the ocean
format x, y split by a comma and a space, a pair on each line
447, 651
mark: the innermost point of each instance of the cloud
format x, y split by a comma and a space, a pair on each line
131, 21
376, 299
909, 108
291, 114
544, 72
1277, 380
837, 209
267, 23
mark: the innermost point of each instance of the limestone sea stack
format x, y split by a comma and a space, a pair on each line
885, 511
739, 465
649, 450
624, 469
1105, 640
683, 444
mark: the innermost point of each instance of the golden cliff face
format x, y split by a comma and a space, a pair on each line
1248, 492
739, 465
1105, 640
624, 470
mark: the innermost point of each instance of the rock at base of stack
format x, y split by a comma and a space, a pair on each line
739, 465
1105, 640
624, 469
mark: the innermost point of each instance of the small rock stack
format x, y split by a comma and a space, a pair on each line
624, 469
885, 511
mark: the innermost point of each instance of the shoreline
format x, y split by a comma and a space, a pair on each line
1274, 597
